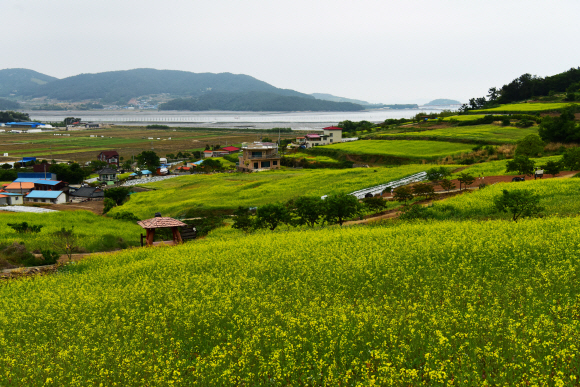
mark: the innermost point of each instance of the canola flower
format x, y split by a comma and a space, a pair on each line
558, 196
425, 303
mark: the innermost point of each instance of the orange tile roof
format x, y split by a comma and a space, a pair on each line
20, 186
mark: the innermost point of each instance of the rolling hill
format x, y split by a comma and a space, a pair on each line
255, 101
20, 82
192, 91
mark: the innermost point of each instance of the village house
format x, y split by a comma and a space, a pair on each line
87, 193
21, 187
259, 156
11, 199
52, 197
109, 157
329, 135
107, 175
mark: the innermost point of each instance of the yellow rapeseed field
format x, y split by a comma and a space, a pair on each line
467, 303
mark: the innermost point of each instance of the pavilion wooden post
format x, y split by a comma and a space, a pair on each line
150, 236
176, 235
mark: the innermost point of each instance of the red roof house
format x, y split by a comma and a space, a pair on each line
110, 157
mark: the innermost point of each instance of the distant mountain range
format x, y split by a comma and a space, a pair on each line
224, 91
443, 101
333, 98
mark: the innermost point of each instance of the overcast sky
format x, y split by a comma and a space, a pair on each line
376, 50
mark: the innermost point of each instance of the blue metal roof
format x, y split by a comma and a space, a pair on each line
11, 194
143, 172
44, 194
46, 182
198, 162
36, 181
32, 124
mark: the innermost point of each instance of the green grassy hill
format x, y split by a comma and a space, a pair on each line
478, 133
402, 148
228, 191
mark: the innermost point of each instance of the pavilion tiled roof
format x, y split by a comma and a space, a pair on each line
160, 222
332, 128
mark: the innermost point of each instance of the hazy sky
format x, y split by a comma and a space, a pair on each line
376, 50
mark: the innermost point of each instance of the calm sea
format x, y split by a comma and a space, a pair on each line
295, 120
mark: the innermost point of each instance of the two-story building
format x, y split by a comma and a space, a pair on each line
259, 156
109, 157
329, 135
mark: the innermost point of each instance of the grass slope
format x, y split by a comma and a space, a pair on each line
96, 233
402, 148
498, 167
523, 108
228, 191
558, 197
436, 303
493, 133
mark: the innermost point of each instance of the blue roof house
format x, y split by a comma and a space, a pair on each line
51, 197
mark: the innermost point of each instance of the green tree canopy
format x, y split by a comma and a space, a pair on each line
150, 159
309, 210
518, 202
531, 146
272, 215
340, 207
560, 129
521, 164
571, 159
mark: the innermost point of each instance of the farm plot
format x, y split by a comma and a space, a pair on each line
411, 149
228, 191
128, 142
478, 133
497, 303
312, 158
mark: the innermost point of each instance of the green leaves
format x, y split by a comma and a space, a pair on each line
518, 202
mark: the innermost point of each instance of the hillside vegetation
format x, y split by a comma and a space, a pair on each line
255, 101
226, 191
435, 303
478, 133
21, 81
416, 149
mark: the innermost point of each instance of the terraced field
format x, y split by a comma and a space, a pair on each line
402, 148
480, 133
523, 108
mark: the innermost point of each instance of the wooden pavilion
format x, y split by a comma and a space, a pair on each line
150, 225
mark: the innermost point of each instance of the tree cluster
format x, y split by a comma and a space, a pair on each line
305, 210
560, 129
11, 116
